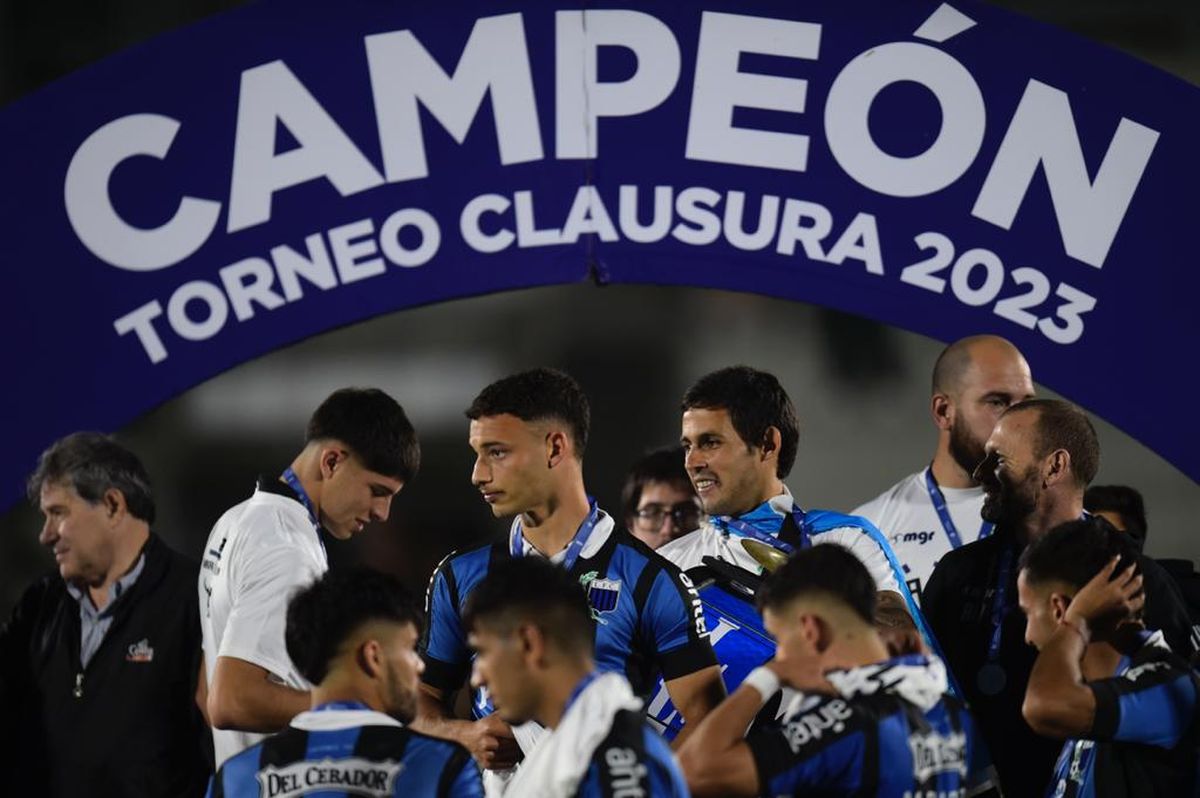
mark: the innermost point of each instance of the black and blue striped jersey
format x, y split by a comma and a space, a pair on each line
632, 760
1145, 736
348, 750
647, 615
875, 739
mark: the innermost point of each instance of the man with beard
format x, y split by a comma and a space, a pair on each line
936, 510
352, 635
1039, 460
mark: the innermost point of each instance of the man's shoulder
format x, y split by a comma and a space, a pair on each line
687, 551
898, 494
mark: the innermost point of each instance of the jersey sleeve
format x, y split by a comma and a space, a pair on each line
443, 644
461, 778
1155, 707
822, 747
872, 510
867, 544
673, 621
267, 578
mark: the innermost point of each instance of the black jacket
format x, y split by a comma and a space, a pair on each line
957, 602
127, 725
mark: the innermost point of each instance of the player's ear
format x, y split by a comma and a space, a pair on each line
557, 447
370, 658
331, 459
1058, 606
941, 408
771, 441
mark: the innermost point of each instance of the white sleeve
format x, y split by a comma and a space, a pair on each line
254, 631
868, 551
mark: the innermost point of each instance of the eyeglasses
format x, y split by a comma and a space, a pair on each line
685, 514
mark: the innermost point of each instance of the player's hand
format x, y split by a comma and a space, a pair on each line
491, 741
1106, 601
902, 641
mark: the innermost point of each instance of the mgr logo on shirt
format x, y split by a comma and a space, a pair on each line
353, 776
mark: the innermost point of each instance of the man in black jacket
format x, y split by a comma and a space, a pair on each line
1040, 458
99, 662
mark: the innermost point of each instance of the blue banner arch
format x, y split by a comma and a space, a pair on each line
286, 168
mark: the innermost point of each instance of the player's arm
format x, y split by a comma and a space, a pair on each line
246, 692
1058, 701
695, 696
490, 740
443, 648
247, 697
673, 622
715, 758
202, 692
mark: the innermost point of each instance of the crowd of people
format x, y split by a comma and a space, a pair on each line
987, 626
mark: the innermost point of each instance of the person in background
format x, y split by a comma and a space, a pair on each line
99, 663
1125, 704
1123, 507
936, 509
658, 500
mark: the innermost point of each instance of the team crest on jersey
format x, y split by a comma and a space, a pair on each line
602, 594
351, 776
935, 753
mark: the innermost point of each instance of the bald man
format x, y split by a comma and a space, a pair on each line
936, 510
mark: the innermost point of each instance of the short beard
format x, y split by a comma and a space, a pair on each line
968, 453
1009, 504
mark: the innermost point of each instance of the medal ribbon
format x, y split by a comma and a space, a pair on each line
574, 547
943, 512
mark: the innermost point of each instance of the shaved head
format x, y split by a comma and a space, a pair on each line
959, 359
974, 380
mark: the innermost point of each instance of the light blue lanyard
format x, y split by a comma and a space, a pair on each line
743, 528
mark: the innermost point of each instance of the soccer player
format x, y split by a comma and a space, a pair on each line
658, 499
530, 624
937, 509
867, 724
353, 636
1039, 460
359, 451
528, 432
1123, 701
99, 662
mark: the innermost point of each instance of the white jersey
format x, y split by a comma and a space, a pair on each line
690, 550
257, 555
906, 517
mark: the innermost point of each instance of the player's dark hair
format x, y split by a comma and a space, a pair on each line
539, 394
1062, 425
1075, 552
92, 464
375, 428
661, 465
1124, 501
530, 590
829, 571
755, 401
322, 616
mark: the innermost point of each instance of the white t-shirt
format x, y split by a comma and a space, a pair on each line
258, 554
690, 550
906, 517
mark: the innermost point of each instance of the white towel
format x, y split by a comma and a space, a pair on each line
561, 758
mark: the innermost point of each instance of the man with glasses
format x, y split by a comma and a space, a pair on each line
659, 502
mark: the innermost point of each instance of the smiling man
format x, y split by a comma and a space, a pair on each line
528, 433
1039, 460
360, 450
